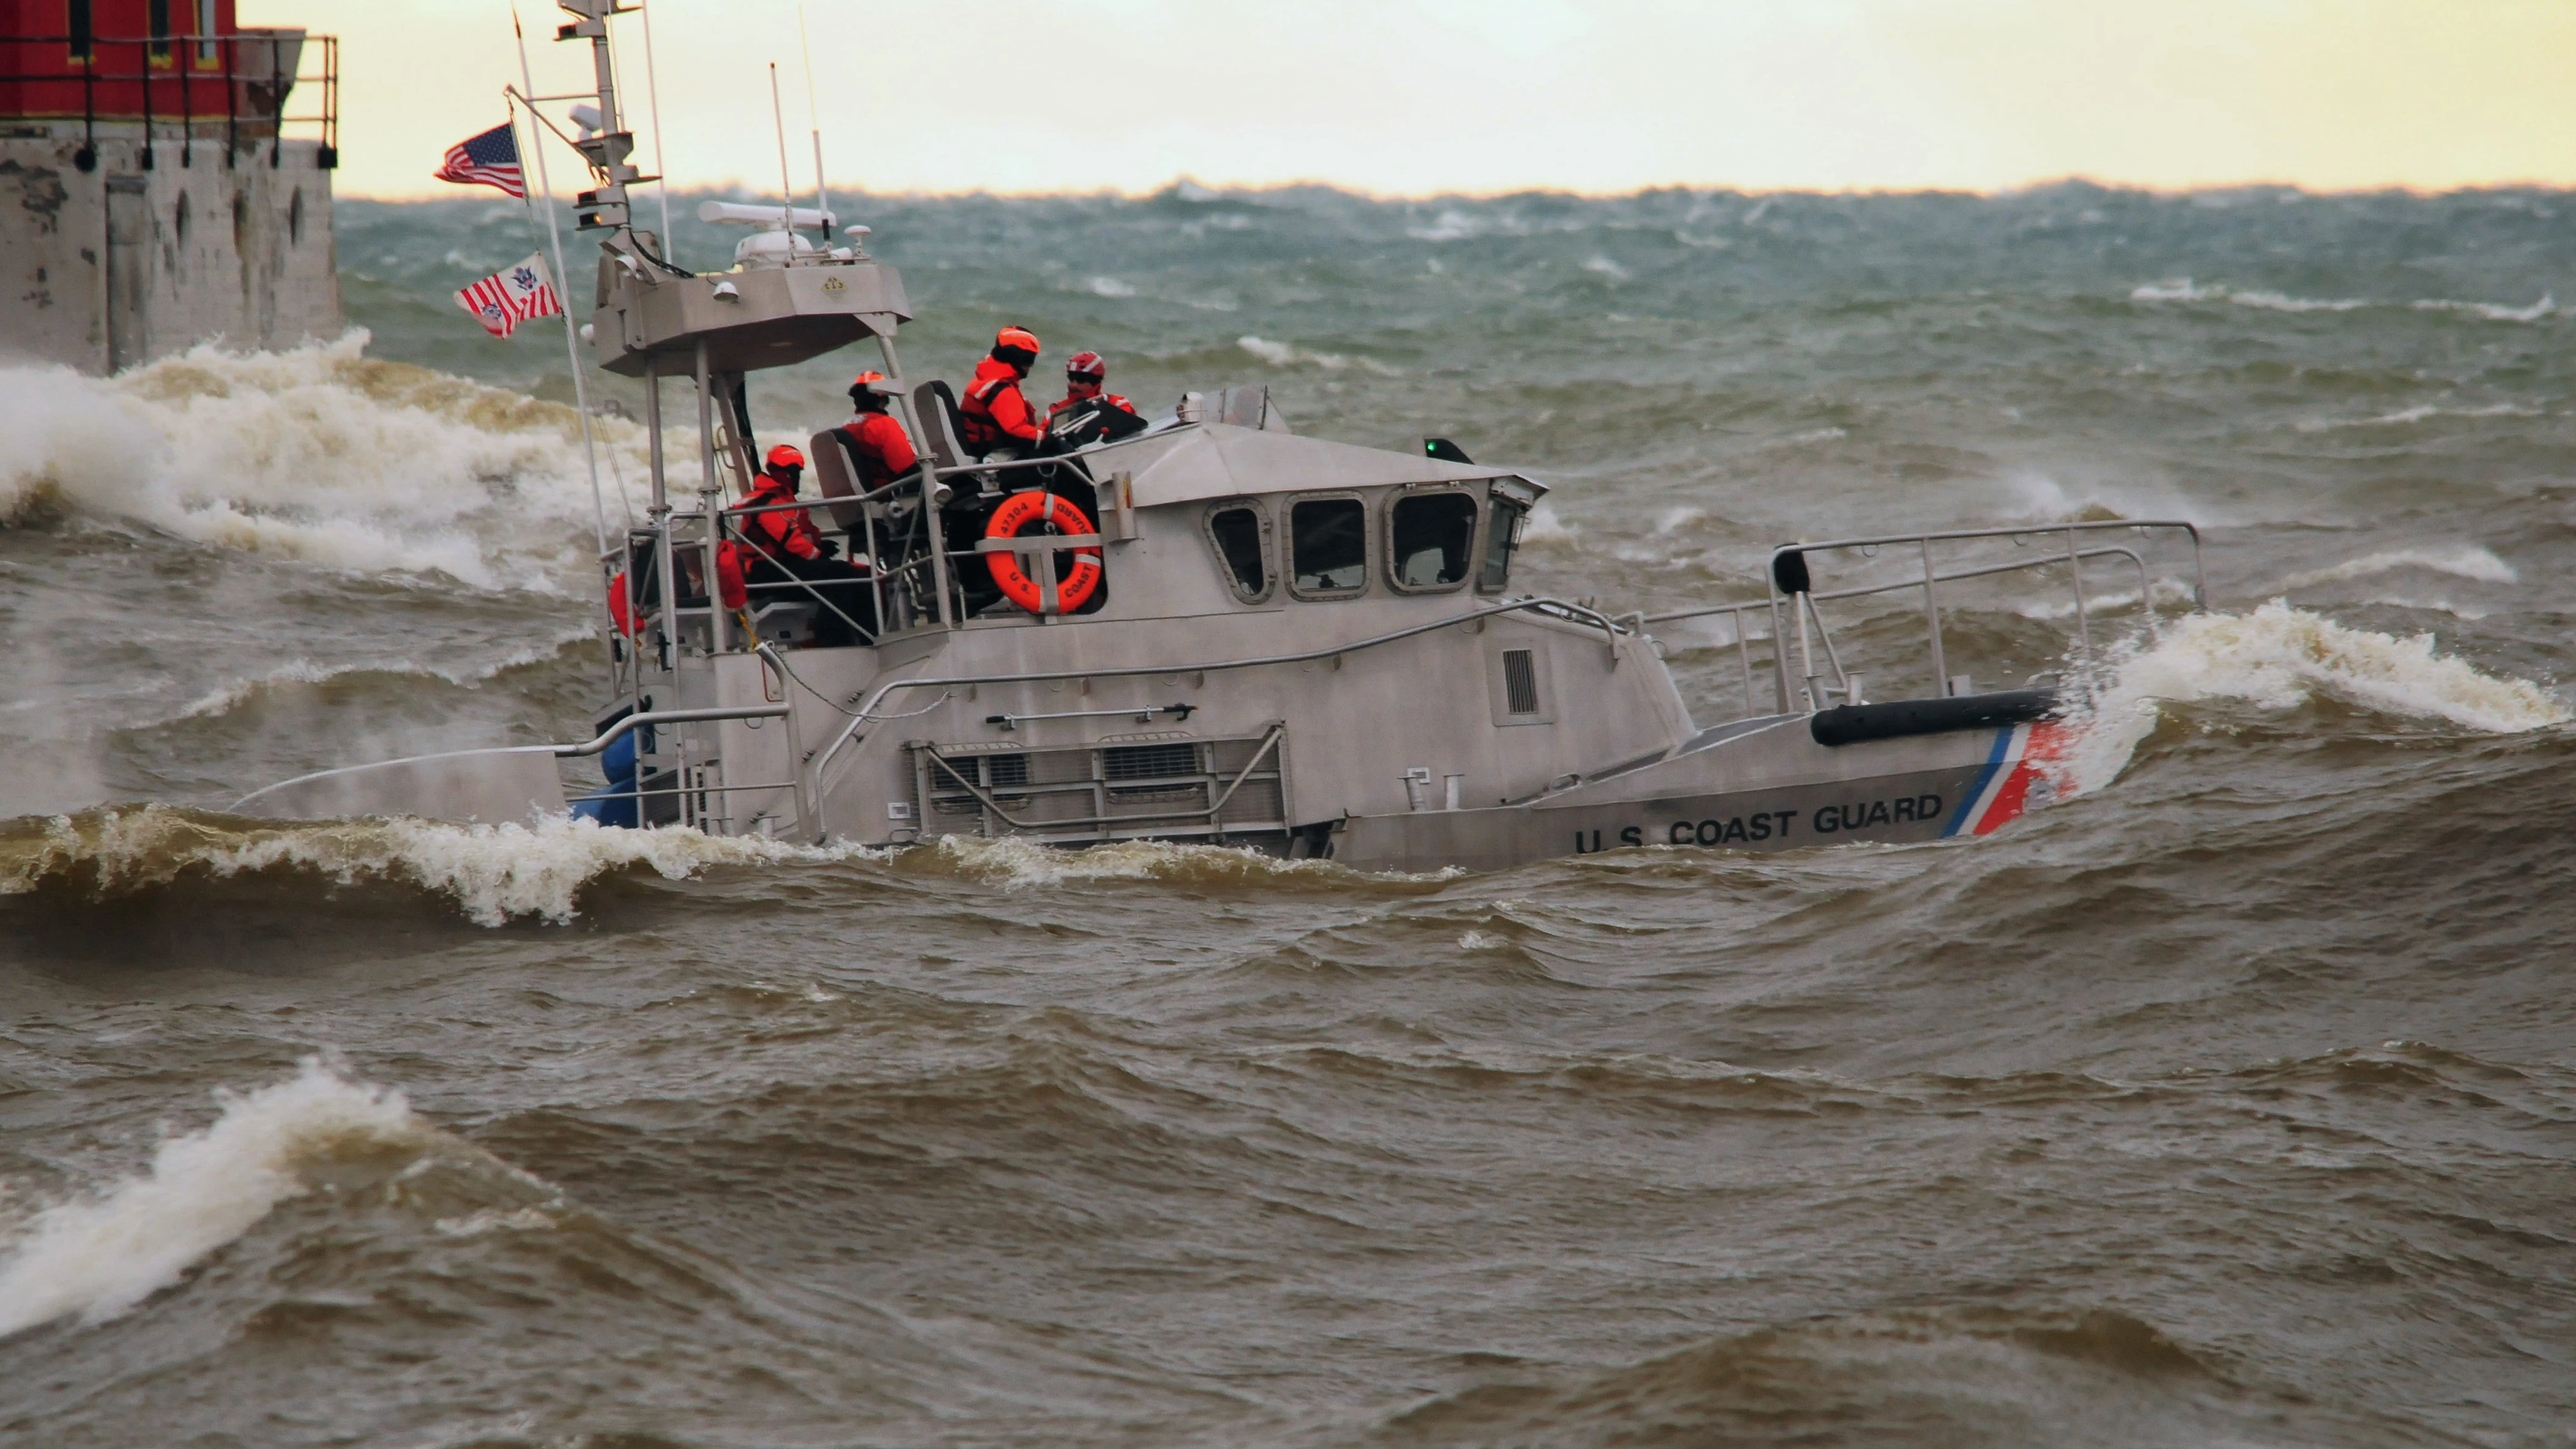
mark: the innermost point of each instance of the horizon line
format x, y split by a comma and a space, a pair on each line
1178, 185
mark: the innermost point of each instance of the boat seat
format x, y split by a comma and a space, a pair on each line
834, 475
787, 623
937, 408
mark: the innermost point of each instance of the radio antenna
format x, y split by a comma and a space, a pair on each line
814, 110
786, 192
662, 164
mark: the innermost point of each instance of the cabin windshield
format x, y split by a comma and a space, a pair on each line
1433, 534
1328, 543
1237, 532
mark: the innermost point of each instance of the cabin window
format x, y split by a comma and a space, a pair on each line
206, 33
1241, 535
160, 18
1430, 537
1501, 535
1328, 546
76, 24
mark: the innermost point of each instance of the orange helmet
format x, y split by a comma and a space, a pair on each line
1086, 367
1019, 337
786, 455
863, 379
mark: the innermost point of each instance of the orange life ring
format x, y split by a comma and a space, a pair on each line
1019, 511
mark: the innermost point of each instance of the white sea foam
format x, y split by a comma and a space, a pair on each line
2165, 592
98, 1256
2470, 613
1603, 266
317, 454
2465, 561
1544, 526
494, 873
2283, 302
2547, 306
1281, 354
1016, 863
1109, 287
2184, 289
2421, 412
2278, 658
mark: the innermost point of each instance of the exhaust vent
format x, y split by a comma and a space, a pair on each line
1520, 681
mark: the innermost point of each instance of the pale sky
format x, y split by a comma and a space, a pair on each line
1422, 96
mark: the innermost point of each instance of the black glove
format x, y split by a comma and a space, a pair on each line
828, 548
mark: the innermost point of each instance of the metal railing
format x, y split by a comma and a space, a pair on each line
1211, 816
187, 81
1803, 603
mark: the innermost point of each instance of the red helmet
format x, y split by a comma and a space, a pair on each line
1086, 366
786, 455
1019, 337
869, 376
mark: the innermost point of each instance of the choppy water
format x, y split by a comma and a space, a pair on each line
2233, 1102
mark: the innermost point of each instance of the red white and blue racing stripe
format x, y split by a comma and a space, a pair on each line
2017, 776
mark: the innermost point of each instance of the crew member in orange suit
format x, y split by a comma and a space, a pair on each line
792, 562
999, 423
1084, 372
874, 440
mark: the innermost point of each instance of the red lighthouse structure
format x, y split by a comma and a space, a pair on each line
172, 171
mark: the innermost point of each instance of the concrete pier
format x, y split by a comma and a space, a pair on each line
115, 266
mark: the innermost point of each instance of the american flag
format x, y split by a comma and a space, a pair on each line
491, 159
507, 298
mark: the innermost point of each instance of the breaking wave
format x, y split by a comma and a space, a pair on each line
99, 1256
306, 672
2278, 658
319, 454
1281, 354
2184, 289
2466, 561
494, 873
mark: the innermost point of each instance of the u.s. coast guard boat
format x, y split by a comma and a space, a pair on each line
1296, 645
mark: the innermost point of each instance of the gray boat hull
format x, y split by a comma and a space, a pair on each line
1763, 786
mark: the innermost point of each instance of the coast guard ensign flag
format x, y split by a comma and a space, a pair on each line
507, 298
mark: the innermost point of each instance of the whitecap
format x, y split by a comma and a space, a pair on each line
2465, 561
239, 692
1545, 526
99, 1256
494, 873
317, 454
2282, 302
2278, 658
2178, 290
2494, 312
1281, 354
2421, 412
